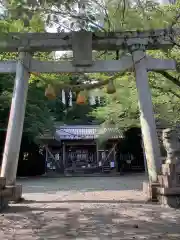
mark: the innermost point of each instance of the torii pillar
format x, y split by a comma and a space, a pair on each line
147, 120
16, 120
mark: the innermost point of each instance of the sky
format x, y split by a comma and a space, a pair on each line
67, 21
167, 1
54, 28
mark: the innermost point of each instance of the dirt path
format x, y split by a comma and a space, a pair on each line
88, 208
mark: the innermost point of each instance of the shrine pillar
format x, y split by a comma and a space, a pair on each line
16, 120
147, 120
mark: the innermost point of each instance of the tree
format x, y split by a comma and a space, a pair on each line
40, 112
164, 85
121, 109
38, 116
115, 16
60, 14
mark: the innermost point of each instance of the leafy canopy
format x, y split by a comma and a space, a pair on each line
121, 108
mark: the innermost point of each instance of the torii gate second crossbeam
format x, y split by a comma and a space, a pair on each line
82, 44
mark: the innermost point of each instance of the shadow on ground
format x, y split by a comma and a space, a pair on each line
121, 221
87, 209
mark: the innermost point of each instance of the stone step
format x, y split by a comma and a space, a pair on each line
169, 201
82, 170
169, 191
106, 169
6, 192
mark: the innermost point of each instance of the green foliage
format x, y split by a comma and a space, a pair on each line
121, 108
39, 116
78, 114
139, 15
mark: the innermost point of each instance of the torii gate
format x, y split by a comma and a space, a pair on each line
82, 43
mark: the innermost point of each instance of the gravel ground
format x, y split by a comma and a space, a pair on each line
87, 208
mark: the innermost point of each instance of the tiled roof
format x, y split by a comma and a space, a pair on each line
85, 132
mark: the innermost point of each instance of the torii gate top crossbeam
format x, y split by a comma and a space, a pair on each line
154, 39
98, 66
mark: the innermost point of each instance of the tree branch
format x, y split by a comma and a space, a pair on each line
169, 77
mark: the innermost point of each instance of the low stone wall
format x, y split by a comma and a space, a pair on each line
3, 199
169, 185
8, 193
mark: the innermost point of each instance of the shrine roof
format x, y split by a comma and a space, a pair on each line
88, 132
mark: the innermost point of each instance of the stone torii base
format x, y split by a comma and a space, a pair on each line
82, 44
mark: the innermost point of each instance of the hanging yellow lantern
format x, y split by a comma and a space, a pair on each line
110, 87
50, 92
81, 99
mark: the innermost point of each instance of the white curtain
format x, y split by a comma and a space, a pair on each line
63, 97
70, 98
92, 100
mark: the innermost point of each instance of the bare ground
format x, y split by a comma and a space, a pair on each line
87, 208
